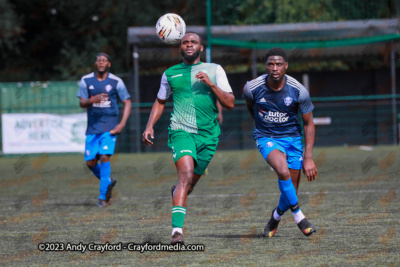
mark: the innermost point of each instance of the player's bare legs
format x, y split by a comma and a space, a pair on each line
185, 167
105, 158
91, 163
196, 178
295, 174
277, 160
186, 182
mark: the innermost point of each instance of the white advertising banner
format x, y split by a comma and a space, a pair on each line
40, 132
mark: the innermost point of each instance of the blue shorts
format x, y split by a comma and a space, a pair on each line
291, 146
103, 144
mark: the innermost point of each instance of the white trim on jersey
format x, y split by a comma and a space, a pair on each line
83, 92
115, 77
165, 90
294, 83
221, 80
253, 84
90, 75
257, 82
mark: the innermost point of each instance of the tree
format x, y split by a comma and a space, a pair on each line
58, 40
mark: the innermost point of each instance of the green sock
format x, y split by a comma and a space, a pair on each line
178, 215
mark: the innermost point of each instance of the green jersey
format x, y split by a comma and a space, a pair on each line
195, 104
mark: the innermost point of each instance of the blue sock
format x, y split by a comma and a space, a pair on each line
105, 172
289, 193
283, 205
96, 170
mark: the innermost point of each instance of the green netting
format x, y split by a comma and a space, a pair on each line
60, 98
305, 45
37, 97
365, 119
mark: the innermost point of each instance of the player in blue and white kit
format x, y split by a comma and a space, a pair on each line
274, 101
98, 92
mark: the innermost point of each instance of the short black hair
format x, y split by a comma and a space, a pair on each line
103, 54
276, 51
196, 34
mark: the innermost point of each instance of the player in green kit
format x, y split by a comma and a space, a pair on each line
193, 132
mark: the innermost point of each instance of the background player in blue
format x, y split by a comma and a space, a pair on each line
273, 101
98, 92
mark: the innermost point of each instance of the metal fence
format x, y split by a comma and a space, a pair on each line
354, 120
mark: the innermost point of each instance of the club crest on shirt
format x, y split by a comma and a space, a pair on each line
108, 87
288, 100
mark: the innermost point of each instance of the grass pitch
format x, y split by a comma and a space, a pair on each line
354, 205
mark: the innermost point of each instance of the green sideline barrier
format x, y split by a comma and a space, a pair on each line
361, 119
306, 44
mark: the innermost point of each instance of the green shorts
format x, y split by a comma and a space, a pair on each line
201, 148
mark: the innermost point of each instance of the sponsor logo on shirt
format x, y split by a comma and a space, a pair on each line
103, 104
178, 75
108, 87
182, 151
288, 101
273, 116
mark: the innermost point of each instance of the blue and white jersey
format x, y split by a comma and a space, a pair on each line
103, 116
275, 112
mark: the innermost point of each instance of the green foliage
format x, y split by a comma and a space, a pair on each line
10, 29
59, 39
236, 12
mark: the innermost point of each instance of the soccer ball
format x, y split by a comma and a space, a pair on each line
170, 28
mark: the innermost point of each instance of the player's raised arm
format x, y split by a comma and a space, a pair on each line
85, 103
221, 89
85, 100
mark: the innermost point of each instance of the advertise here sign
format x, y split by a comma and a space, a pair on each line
40, 132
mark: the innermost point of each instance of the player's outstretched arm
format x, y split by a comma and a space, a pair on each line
85, 103
156, 112
309, 168
226, 99
125, 115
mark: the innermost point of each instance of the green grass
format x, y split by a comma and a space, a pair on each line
354, 205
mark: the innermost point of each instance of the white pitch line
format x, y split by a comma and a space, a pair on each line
77, 200
278, 193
